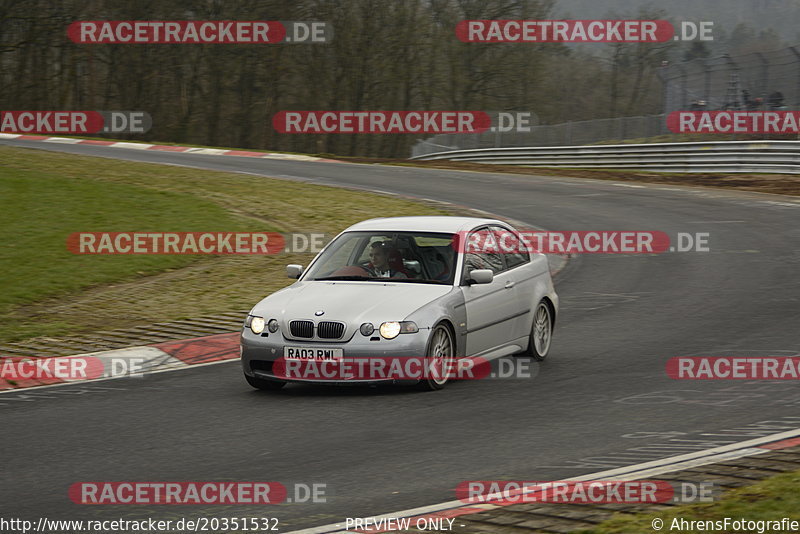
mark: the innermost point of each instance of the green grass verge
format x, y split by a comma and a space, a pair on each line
47, 291
767, 500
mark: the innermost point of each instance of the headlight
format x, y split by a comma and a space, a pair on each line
367, 329
257, 324
392, 329
273, 325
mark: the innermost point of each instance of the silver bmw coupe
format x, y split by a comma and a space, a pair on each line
403, 300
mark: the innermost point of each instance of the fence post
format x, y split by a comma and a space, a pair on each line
665, 86
684, 88
797, 89
764, 72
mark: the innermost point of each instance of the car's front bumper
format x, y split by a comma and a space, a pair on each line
259, 354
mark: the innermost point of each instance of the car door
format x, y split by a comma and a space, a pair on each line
491, 309
519, 272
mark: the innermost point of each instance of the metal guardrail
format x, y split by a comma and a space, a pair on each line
720, 156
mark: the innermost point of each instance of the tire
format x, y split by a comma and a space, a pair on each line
441, 346
541, 333
264, 385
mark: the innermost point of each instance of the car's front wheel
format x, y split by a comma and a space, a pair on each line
541, 332
266, 385
439, 358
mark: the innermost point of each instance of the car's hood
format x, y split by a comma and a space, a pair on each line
351, 302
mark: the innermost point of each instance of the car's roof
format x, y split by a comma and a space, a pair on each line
442, 224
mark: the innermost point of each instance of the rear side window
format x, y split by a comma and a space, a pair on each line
511, 246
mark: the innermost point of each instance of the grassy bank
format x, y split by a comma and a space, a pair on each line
46, 290
769, 500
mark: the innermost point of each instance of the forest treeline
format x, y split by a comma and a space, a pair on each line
385, 55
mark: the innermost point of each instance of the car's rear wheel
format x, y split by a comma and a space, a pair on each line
439, 358
541, 332
266, 385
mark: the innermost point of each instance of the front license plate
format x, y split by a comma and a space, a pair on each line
313, 354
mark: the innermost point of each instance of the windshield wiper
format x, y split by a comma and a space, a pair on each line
373, 279
348, 277
414, 280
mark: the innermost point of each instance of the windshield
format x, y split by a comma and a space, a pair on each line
415, 257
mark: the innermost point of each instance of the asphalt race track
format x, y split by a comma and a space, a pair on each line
602, 391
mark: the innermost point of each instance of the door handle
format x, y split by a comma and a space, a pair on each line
509, 284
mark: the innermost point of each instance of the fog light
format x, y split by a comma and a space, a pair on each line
367, 329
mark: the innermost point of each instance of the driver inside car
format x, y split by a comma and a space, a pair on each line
385, 262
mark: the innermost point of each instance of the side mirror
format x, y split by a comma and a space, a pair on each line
481, 276
294, 271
